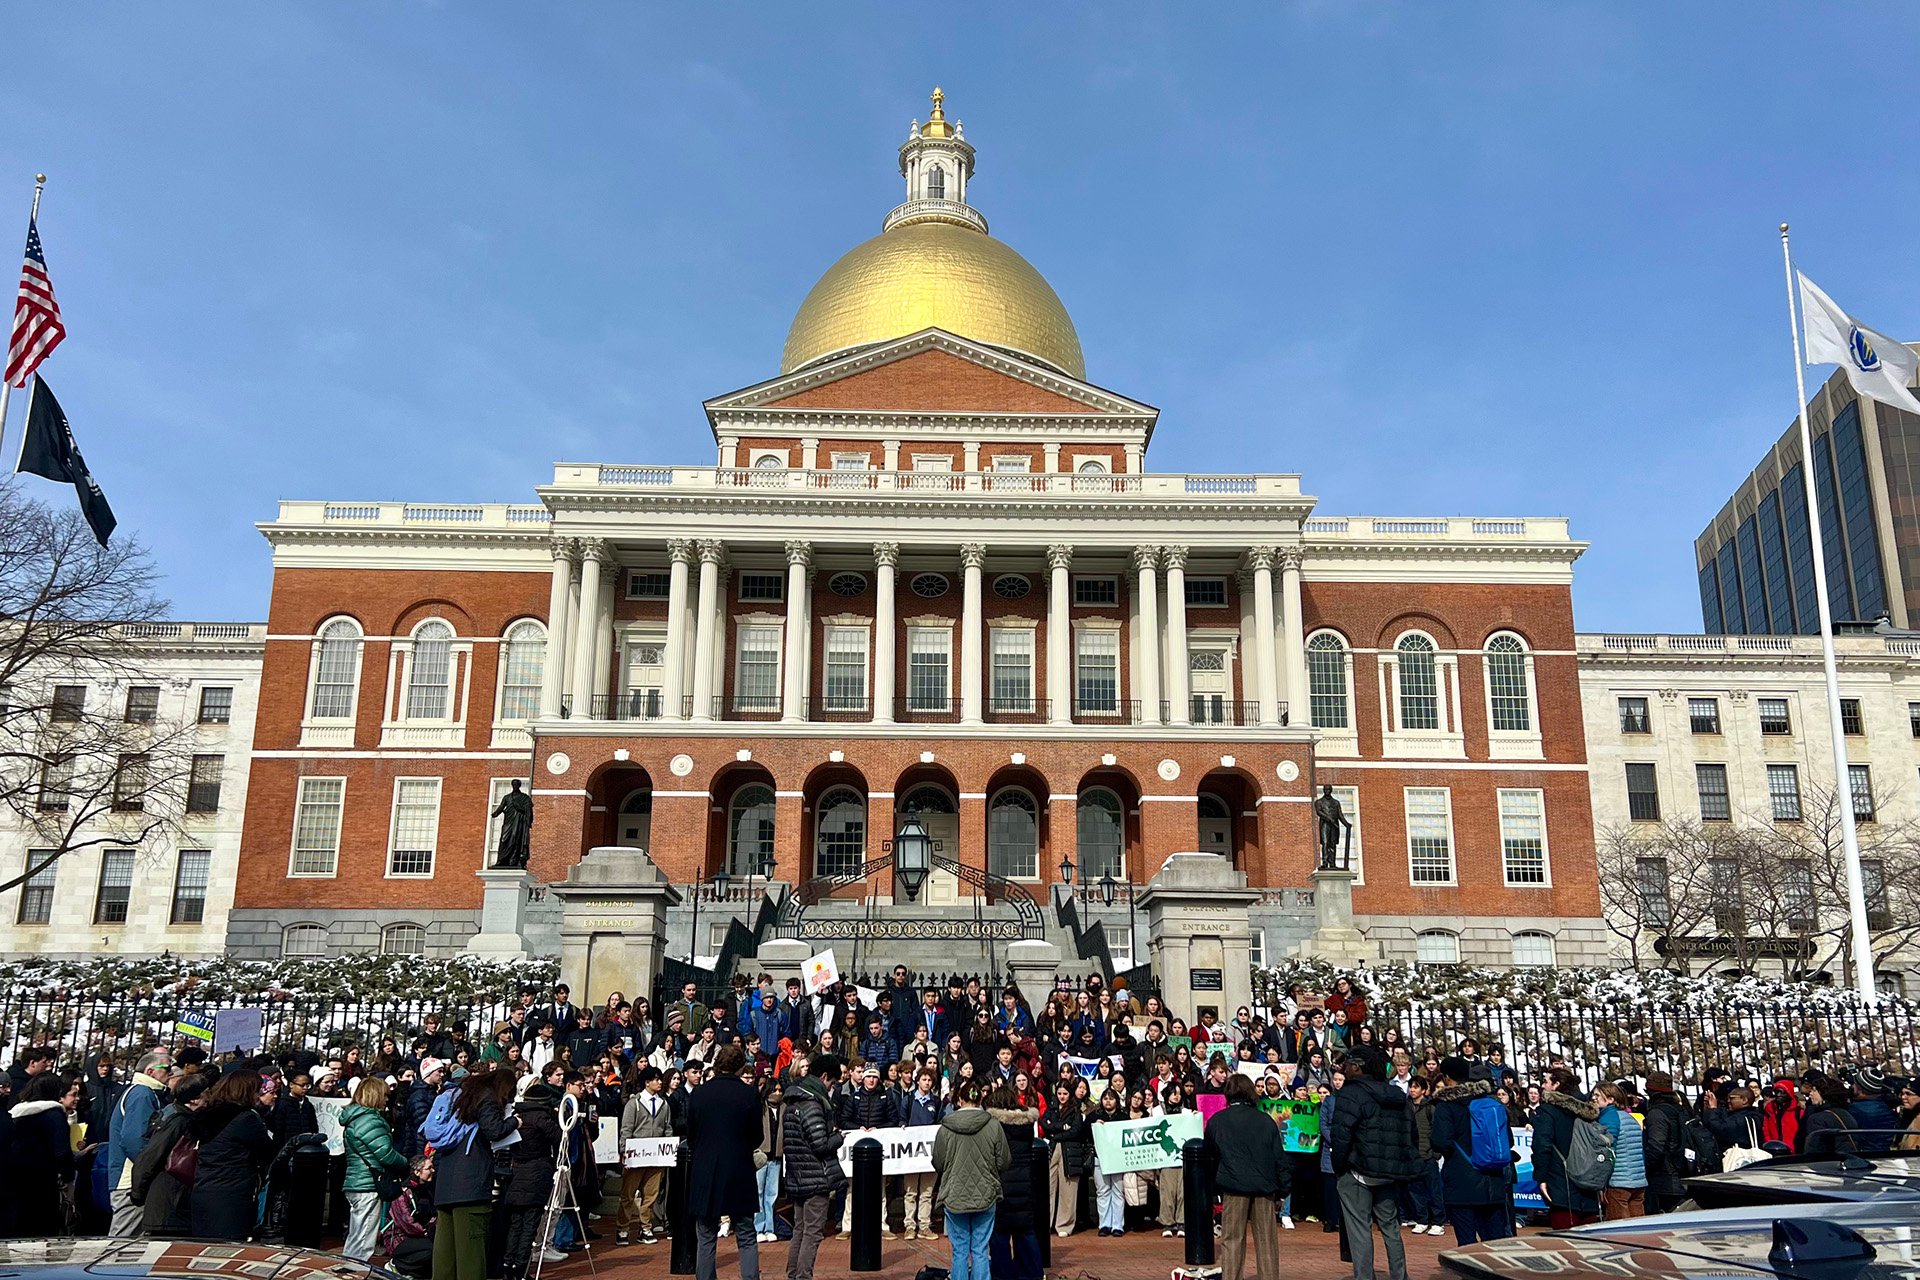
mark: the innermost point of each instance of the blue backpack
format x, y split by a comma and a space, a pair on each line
443, 1130
1489, 1136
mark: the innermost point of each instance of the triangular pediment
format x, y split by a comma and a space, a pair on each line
932, 371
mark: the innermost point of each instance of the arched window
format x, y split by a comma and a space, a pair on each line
336, 670
636, 819
303, 940
1532, 949
1327, 681
840, 834
1419, 683
749, 831
936, 183
1093, 467
1013, 835
523, 663
403, 940
1508, 702
430, 674
769, 462
1436, 946
1101, 823
928, 799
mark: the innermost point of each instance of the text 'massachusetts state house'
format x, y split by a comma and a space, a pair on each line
926, 571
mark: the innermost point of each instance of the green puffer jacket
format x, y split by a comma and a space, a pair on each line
370, 1148
970, 1154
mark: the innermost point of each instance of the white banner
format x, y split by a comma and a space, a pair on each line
606, 1143
650, 1153
327, 1112
906, 1150
821, 972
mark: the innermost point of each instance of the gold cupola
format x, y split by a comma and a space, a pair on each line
933, 265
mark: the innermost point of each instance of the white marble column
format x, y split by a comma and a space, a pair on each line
1247, 666
793, 670
973, 556
1179, 706
1261, 558
1293, 635
1146, 633
1060, 634
553, 674
673, 676
572, 629
886, 563
603, 639
706, 618
593, 557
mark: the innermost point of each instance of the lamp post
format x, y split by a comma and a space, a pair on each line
912, 855
1108, 889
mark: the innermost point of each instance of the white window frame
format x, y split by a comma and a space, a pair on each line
627, 643
1120, 940
1111, 581
1436, 933
497, 789
1036, 813
1028, 638
1349, 798
774, 575
1399, 742
1513, 795
1109, 630
400, 729
1120, 812
1011, 464
916, 629
293, 837
34, 883
393, 829
760, 624
1336, 741
843, 631
634, 574
1453, 846
387, 933
1512, 744
306, 928
332, 731
1553, 949
174, 898
1226, 597
500, 715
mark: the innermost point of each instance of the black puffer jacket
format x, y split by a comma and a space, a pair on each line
537, 1154
810, 1141
1373, 1132
1666, 1144
1067, 1129
1452, 1137
1014, 1215
1553, 1126
868, 1109
1826, 1130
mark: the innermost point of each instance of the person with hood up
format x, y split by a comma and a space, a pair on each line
133, 1117
39, 1152
530, 1179
971, 1156
371, 1152
1479, 1202
1780, 1117
1247, 1154
1015, 1247
1666, 1145
1561, 1108
1872, 1115
1373, 1154
1826, 1129
1626, 1192
810, 1145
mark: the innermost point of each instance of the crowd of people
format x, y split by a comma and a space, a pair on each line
454, 1150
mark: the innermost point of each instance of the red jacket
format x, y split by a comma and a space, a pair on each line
1781, 1122
1355, 1005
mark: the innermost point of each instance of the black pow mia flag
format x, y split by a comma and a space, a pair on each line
49, 450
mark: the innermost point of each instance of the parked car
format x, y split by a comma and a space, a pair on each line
92, 1258
1797, 1180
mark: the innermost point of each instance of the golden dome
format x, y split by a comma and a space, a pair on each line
934, 274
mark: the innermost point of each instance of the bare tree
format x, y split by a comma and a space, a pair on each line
1665, 880
1805, 867
79, 767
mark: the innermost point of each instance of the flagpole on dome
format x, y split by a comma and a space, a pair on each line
6, 384
1843, 775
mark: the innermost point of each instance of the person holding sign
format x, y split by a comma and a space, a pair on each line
1250, 1169
645, 1115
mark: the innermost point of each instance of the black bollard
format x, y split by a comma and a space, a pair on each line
684, 1246
1042, 1200
306, 1186
868, 1206
1198, 1188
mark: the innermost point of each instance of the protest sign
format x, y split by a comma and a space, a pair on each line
1210, 1103
606, 1143
327, 1112
1085, 1066
1303, 1128
236, 1029
821, 972
1177, 1043
197, 1025
903, 1150
649, 1153
1124, 1146
1526, 1188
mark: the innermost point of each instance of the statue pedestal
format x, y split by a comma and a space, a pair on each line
1033, 966
1334, 939
503, 914
783, 958
1198, 935
613, 923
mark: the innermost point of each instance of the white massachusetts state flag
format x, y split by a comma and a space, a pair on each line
1876, 365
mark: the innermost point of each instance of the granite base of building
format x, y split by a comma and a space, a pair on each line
261, 934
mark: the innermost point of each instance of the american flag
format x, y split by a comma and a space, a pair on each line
36, 316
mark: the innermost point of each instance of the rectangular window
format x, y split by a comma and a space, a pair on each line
1097, 672
1206, 593
1913, 718
416, 826
190, 887
1723, 886
1430, 835
1873, 884
1773, 716
56, 783
929, 659
649, 584
69, 702
846, 668
143, 703
1851, 723
1349, 798
1633, 716
763, 587
1096, 592
203, 784
1012, 675
216, 704
1796, 896
316, 826
1119, 940
1715, 804
1257, 947
130, 783
1656, 905
36, 892
756, 676
1012, 463
1703, 714
1783, 792
1860, 783
1523, 836
1643, 793
116, 887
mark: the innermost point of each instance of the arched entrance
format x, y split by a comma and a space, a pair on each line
1224, 799
1216, 826
939, 813
620, 811
633, 826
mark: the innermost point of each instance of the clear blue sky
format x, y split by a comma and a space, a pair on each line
1438, 258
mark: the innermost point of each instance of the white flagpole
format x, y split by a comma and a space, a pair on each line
1849, 834
6, 384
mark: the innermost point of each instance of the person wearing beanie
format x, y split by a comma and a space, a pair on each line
1479, 1202
1826, 1127
1666, 1144
1871, 1113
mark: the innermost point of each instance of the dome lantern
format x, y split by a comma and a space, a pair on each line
936, 162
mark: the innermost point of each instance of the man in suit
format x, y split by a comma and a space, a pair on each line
905, 1005
931, 1016
561, 1012
724, 1127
